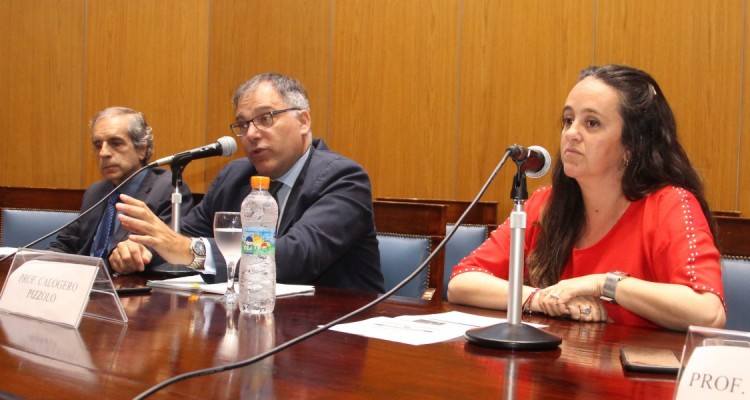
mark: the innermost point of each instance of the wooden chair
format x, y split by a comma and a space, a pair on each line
407, 234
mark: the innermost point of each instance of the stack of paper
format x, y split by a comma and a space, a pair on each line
419, 329
195, 283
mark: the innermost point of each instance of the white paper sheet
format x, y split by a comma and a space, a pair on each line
419, 329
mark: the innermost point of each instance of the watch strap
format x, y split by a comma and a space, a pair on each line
198, 259
610, 285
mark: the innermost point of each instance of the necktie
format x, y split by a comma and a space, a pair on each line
274, 189
105, 230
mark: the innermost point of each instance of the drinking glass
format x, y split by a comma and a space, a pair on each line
228, 236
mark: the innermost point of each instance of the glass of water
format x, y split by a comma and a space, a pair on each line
228, 236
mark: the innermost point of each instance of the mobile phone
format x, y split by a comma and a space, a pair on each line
649, 359
133, 290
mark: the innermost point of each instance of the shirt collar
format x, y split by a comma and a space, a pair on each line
131, 188
290, 176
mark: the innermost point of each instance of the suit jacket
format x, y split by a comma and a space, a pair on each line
326, 235
155, 190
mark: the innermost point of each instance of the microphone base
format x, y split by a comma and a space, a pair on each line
513, 337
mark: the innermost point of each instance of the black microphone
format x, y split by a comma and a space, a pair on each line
535, 159
225, 147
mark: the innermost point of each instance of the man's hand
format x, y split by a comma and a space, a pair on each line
148, 230
129, 257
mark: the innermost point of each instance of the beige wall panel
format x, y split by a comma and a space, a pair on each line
693, 49
393, 97
519, 60
150, 56
40, 92
252, 37
744, 161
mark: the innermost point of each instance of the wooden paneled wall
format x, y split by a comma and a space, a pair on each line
425, 94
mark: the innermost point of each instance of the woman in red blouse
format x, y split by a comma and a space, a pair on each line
624, 234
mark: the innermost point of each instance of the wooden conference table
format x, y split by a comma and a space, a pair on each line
170, 333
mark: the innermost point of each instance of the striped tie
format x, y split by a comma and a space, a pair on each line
105, 230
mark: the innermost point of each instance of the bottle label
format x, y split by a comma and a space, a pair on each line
258, 241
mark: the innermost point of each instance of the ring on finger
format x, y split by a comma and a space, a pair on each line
586, 310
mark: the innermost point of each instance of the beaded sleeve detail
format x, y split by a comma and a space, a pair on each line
692, 240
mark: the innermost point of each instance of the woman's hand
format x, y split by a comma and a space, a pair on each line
567, 289
589, 309
576, 298
582, 308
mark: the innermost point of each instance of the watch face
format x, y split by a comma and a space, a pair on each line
199, 248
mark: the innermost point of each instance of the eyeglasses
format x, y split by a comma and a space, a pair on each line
262, 121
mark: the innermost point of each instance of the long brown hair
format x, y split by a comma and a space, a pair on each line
649, 135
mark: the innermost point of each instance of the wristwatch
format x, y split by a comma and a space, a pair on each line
610, 284
198, 248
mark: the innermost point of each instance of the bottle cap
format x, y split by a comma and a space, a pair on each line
260, 182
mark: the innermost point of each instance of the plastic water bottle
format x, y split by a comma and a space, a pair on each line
258, 262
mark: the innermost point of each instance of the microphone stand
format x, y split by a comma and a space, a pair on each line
176, 195
514, 334
177, 166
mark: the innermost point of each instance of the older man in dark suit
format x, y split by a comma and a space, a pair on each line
326, 235
123, 143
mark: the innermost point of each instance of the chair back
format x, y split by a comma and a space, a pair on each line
734, 244
22, 226
400, 255
461, 244
735, 275
407, 234
475, 229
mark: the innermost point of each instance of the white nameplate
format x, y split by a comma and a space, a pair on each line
48, 290
715, 372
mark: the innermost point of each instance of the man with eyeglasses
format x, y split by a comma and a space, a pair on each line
123, 143
326, 233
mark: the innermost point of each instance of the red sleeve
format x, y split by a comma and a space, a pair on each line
683, 247
493, 256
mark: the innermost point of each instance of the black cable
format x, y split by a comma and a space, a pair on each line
76, 218
322, 328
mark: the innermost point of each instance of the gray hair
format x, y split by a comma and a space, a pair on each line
291, 91
138, 130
